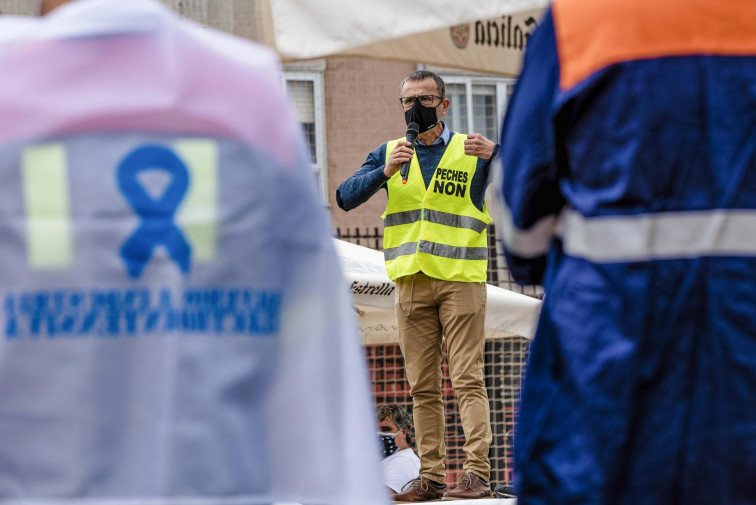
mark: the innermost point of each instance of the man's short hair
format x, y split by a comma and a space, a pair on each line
398, 414
421, 75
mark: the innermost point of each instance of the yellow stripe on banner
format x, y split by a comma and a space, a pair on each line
47, 206
198, 214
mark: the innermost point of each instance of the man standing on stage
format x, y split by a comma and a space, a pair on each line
436, 250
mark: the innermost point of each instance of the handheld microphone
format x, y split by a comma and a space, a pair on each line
412, 132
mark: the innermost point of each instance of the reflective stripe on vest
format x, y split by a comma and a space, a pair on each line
436, 230
445, 251
435, 216
455, 221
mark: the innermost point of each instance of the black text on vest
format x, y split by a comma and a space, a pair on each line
450, 182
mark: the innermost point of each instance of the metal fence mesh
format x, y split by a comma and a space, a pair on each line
504, 362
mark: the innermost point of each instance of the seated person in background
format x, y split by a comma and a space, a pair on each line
400, 463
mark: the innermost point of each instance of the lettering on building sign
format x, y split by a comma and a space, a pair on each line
507, 33
450, 182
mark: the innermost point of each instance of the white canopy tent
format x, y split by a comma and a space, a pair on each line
508, 313
477, 35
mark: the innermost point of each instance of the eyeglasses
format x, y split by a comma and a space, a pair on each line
426, 100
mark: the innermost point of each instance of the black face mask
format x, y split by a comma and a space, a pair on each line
425, 117
387, 444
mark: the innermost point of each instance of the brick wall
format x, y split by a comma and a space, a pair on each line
362, 112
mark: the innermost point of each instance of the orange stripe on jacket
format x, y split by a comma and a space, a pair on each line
593, 34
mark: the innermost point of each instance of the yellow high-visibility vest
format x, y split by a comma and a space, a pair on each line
438, 231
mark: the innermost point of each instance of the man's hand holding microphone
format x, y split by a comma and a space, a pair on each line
401, 155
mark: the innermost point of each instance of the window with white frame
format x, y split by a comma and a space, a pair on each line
477, 103
306, 93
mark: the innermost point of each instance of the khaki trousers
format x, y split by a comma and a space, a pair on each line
456, 311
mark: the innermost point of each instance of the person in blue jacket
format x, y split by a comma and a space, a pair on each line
627, 188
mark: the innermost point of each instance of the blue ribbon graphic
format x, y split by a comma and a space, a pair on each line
157, 226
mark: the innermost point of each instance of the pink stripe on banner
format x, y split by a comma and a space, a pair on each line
150, 82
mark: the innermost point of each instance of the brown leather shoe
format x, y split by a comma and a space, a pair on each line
470, 487
419, 489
